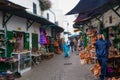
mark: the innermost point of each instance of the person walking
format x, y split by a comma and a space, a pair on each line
56, 47
75, 44
80, 45
71, 45
102, 45
65, 49
68, 42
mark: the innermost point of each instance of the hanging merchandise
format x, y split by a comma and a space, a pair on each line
96, 70
42, 36
47, 40
56, 47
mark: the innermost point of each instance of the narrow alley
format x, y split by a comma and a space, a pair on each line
60, 68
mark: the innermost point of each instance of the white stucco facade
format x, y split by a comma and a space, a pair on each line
52, 17
115, 18
28, 4
106, 19
19, 24
55, 15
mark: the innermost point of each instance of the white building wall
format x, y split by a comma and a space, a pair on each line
115, 18
51, 16
28, 4
59, 17
57, 11
19, 24
55, 16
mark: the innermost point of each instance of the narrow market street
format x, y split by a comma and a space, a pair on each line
40, 40
60, 68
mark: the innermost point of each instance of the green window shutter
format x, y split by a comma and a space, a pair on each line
9, 45
34, 40
26, 41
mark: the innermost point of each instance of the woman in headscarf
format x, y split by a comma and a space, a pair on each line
65, 49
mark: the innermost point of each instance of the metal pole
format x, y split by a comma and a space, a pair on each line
5, 29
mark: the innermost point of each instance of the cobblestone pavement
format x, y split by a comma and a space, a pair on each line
60, 68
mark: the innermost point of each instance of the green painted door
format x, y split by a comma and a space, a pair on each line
10, 46
34, 40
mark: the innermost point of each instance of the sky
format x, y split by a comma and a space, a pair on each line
66, 6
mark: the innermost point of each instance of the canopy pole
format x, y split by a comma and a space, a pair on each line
29, 23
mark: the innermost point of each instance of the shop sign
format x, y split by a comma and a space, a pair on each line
19, 28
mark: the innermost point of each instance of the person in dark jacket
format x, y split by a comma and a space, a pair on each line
72, 45
102, 46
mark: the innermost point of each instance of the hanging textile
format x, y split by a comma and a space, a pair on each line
42, 36
47, 40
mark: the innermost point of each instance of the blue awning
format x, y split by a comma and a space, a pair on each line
74, 35
87, 5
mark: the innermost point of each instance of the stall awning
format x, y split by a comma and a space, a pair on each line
6, 7
86, 6
82, 18
75, 35
89, 15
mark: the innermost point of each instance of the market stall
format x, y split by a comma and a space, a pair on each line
21, 50
114, 51
87, 55
17, 58
45, 42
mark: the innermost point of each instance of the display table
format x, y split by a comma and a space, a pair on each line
24, 61
35, 58
115, 62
